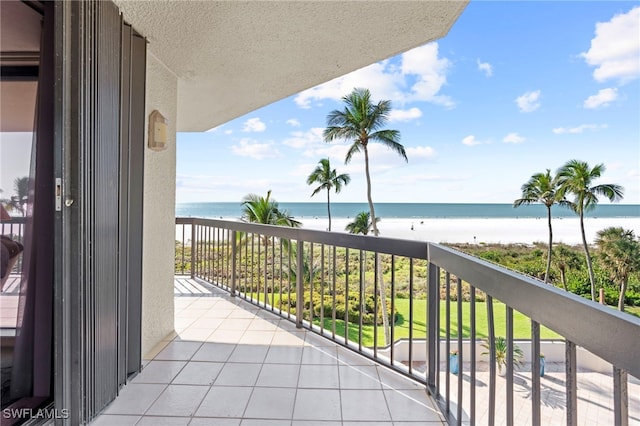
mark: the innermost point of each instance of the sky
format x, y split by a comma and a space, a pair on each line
515, 88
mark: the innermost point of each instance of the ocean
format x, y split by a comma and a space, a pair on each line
409, 210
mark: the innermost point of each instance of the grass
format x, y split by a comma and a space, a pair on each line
521, 324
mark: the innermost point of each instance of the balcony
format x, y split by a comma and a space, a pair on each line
260, 338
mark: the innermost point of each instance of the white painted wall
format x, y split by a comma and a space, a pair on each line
159, 211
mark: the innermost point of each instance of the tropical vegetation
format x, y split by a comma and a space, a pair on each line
576, 178
620, 255
361, 122
361, 224
328, 179
542, 188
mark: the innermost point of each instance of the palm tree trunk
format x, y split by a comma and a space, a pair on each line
329, 207
588, 256
546, 274
371, 210
381, 286
383, 301
623, 290
564, 279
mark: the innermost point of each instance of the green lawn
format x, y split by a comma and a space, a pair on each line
521, 324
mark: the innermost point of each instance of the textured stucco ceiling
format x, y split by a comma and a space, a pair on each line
232, 57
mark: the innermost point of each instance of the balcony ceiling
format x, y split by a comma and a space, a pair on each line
232, 57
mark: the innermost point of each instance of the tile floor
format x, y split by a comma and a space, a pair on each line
231, 363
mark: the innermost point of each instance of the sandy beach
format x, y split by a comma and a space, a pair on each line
496, 231
504, 231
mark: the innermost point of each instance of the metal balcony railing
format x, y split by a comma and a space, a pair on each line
14, 229
342, 286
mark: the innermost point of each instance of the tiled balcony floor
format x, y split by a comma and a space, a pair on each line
231, 363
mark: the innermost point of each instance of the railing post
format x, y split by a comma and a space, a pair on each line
535, 373
492, 360
193, 250
234, 250
299, 284
571, 383
433, 295
620, 397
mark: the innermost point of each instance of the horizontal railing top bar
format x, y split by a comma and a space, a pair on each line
16, 220
606, 332
398, 247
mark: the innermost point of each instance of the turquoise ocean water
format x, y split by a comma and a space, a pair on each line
408, 210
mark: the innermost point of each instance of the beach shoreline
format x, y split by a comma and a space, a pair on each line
479, 231
486, 231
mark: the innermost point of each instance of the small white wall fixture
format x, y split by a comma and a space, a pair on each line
157, 131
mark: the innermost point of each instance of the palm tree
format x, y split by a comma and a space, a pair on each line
565, 259
361, 224
327, 179
620, 255
542, 188
21, 191
263, 210
576, 178
361, 121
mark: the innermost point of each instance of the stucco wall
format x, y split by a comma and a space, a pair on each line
159, 211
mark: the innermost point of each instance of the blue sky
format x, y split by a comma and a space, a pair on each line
513, 89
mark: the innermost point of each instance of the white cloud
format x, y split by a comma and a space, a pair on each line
305, 140
513, 138
601, 99
430, 73
420, 152
404, 114
253, 149
529, 102
228, 132
471, 141
615, 49
485, 67
293, 122
254, 125
579, 129
421, 71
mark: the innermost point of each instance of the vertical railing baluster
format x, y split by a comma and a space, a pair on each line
472, 357
183, 249
253, 262
433, 295
411, 324
535, 373
571, 383
310, 266
281, 275
234, 251
193, 250
460, 349
273, 273
289, 255
299, 284
447, 322
346, 298
492, 360
333, 295
266, 273
246, 264
360, 299
510, 351
322, 280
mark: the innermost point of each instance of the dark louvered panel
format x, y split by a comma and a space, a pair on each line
100, 142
